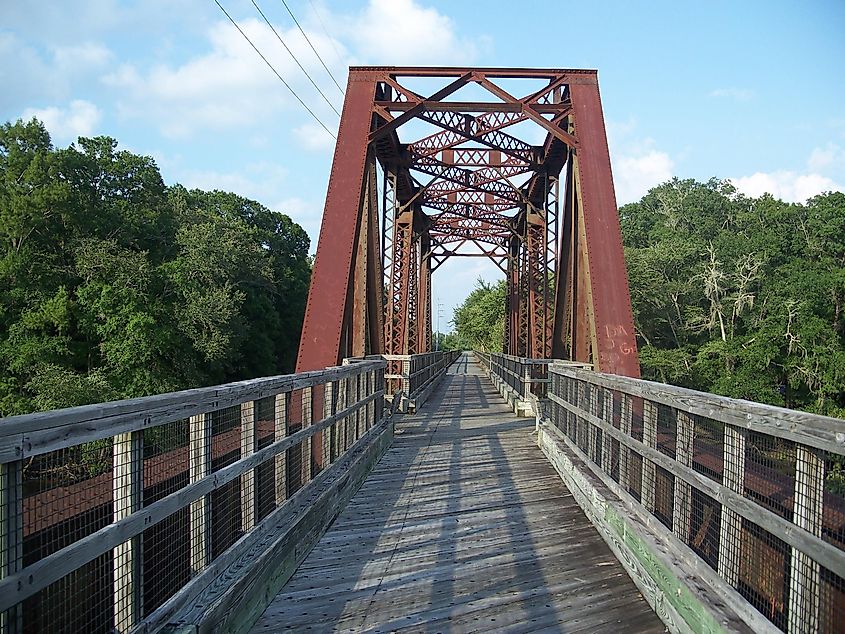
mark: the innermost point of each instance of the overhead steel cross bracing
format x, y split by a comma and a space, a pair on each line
433, 163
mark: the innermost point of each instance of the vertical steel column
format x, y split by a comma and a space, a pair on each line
612, 319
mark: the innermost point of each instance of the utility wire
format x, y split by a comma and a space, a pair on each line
290, 52
275, 72
312, 47
326, 31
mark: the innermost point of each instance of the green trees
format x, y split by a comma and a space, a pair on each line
114, 285
740, 296
480, 320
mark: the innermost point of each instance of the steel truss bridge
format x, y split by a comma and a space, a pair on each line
386, 487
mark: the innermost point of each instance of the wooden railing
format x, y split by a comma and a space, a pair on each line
751, 497
411, 377
115, 516
522, 381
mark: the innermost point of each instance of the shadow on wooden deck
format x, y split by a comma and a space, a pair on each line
462, 526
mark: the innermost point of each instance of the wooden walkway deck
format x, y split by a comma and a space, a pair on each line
463, 526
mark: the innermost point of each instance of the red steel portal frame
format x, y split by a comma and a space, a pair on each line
418, 179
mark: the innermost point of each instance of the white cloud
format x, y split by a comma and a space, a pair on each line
398, 32
637, 164
831, 156
825, 171
229, 86
314, 138
737, 94
80, 118
88, 54
307, 213
639, 172
262, 182
786, 185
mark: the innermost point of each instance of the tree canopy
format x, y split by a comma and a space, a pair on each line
115, 285
480, 320
740, 296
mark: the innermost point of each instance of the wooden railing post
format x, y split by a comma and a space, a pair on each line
682, 507
624, 450
199, 432
526, 380
358, 413
340, 427
649, 468
128, 491
280, 431
11, 536
371, 406
592, 430
406, 377
305, 445
606, 443
730, 531
328, 432
248, 442
805, 573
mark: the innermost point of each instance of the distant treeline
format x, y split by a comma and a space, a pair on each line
738, 296
114, 285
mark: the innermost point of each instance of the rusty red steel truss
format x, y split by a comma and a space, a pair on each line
433, 163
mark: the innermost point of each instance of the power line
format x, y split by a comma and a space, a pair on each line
275, 72
290, 52
312, 47
326, 31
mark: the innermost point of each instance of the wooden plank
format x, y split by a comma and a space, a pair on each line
328, 410
127, 563
624, 450
682, 506
305, 445
730, 529
280, 432
249, 438
649, 473
199, 435
805, 573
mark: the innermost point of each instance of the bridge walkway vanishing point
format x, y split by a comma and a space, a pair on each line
462, 526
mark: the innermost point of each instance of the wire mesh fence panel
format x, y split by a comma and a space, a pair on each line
166, 546
81, 601
764, 572
708, 444
759, 498
67, 495
166, 559
704, 531
770, 472
202, 481
664, 496
831, 602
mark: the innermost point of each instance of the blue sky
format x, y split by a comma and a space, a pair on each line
751, 91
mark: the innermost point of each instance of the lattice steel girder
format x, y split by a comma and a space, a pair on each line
569, 299
458, 129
